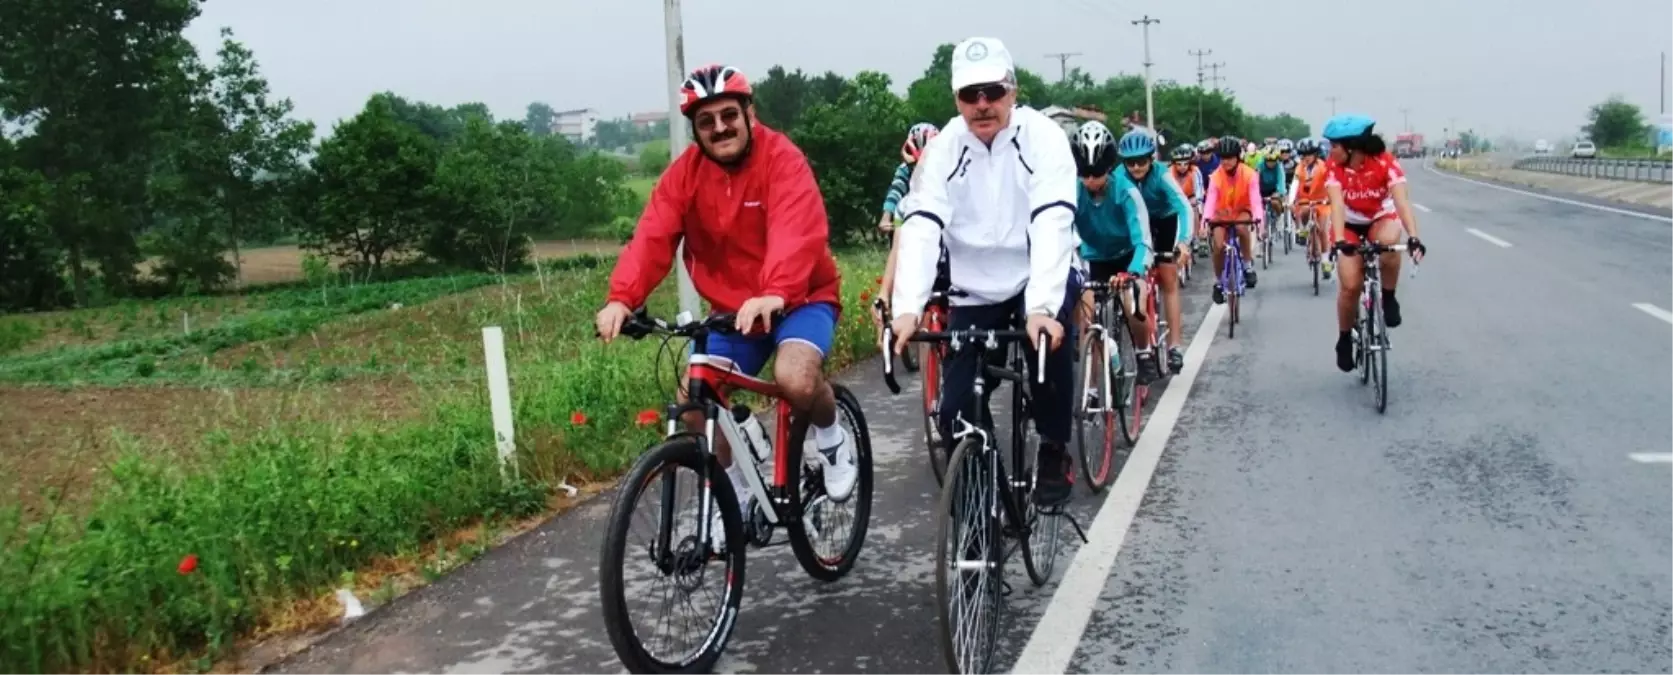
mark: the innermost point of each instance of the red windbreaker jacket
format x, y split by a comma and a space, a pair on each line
752, 230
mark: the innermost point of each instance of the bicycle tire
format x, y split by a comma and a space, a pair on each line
824, 568
909, 360
1315, 265
968, 470
1289, 234
1366, 311
1232, 296
680, 451
1381, 375
1038, 558
1092, 351
931, 372
1125, 382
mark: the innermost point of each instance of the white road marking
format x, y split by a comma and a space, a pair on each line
1560, 200
1488, 238
1058, 634
1421, 207
1654, 311
1652, 457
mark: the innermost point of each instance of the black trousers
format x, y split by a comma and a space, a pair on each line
1053, 400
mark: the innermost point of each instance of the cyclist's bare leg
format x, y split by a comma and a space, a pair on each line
1244, 238
1217, 252
1351, 275
1140, 329
798, 370
1387, 233
1168, 276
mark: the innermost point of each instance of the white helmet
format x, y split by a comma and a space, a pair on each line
1094, 148
1284, 145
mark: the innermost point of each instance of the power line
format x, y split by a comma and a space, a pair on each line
1063, 63
1199, 53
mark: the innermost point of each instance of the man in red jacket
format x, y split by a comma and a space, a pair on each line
757, 243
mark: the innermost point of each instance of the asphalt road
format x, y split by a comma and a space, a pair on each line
1510, 512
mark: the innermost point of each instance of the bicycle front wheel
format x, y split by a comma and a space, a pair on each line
968, 566
828, 536
673, 563
1381, 374
1097, 453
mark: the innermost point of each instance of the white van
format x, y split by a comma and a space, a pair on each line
1542, 147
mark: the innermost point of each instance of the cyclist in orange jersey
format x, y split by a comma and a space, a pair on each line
1308, 186
1190, 181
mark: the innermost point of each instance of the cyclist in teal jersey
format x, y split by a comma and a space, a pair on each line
916, 138
1110, 217
1168, 215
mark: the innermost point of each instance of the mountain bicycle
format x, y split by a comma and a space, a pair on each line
794, 500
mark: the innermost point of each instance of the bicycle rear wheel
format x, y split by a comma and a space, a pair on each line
1097, 457
1289, 234
1233, 296
1367, 309
968, 566
930, 369
828, 536
1041, 529
676, 560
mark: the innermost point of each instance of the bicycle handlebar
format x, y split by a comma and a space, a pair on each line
641, 324
991, 340
1212, 221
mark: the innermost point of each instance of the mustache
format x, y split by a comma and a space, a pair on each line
725, 135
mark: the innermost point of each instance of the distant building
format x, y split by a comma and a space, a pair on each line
1664, 133
578, 126
646, 119
1071, 118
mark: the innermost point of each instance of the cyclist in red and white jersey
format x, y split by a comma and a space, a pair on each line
744, 201
1367, 190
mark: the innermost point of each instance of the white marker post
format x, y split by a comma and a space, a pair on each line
499, 402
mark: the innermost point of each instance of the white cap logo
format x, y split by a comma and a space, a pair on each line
976, 52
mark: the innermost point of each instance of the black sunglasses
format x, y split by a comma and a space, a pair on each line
1136, 161
992, 91
726, 118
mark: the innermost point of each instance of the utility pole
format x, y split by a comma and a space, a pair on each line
1215, 77
1063, 64
1149, 90
1406, 117
1199, 53
1663, 96
1332, 100
675, 36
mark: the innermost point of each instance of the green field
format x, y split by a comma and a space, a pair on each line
291, 440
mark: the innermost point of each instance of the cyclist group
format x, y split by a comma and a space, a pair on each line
1000, 205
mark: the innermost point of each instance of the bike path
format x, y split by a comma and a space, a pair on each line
1491, 521
532, 605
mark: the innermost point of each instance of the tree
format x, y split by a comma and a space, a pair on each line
851, 146
1616, 123
653, 158
488, 188
781, 98
87, 77
29, 257
258, 142
1283, 125
371, 179
539, 119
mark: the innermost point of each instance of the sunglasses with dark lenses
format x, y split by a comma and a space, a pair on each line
992, 92
722, 120
1136, 161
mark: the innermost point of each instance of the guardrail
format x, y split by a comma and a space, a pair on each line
1641, 170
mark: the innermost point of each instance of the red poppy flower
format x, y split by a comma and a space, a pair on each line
577, 418
647, 418
188, 564
878, 281
865, 296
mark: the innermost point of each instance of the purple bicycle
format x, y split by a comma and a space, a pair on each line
1231, 269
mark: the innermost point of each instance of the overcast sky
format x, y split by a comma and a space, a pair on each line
1528, 67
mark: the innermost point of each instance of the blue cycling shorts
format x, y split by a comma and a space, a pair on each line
812, 324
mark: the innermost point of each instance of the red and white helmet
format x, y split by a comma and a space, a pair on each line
710, 82
916, 138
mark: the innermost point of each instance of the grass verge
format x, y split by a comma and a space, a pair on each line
173, 561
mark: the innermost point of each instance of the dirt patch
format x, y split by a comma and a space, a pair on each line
65, 439
279, 264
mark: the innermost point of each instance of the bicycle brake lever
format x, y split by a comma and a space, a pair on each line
889, 361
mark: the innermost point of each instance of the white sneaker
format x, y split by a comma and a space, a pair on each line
839, 471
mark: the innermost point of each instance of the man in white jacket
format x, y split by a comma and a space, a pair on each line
998, 187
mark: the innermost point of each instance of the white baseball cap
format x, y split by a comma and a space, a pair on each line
980, 60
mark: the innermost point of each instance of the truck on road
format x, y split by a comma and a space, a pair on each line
1408, 145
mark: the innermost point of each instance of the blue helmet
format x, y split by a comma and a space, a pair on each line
1348, 126
1136, 143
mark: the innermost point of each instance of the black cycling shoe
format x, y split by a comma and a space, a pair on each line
1148, 370
1055, 475
1219, 295
1249, 276
1391, 310
1345, 360
1176, 360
